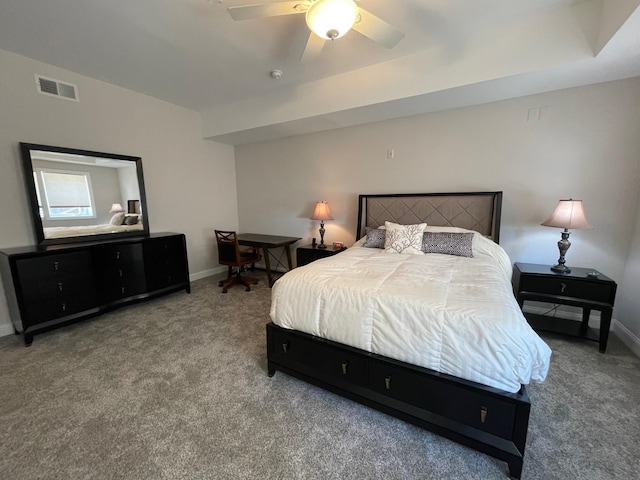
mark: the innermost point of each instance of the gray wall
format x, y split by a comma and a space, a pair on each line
584, 144
190, 182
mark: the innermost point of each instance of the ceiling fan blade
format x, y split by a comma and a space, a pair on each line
313, 48
377, 30
248, 12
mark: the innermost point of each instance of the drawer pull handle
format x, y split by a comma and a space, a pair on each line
120, 272
56, 265
64, 307
387, 382
122, 289
563, 287
117, 255
344, 367
285, 347
483, 414
59, 286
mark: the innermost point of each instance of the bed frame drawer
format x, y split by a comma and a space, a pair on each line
486, 414
326, 361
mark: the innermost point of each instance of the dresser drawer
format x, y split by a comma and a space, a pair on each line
119, 254
568, 287
52, 266
122, 280
49, 309
80, 283
490, 415
165, 263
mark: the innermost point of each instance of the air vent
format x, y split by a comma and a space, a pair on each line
56, 88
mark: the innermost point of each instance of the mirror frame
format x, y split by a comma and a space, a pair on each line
27, 164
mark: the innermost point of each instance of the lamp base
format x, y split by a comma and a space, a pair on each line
560, 269
322, 245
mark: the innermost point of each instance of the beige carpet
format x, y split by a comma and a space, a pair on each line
176, 388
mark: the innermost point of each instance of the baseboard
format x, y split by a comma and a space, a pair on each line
207, 273
6, 329
626, 336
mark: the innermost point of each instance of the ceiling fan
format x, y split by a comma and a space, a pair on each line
327, 20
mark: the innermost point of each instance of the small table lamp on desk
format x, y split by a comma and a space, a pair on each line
322, 213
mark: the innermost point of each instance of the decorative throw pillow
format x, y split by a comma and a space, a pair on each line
375, 237
117, 219
405, 239
458, 244
130, 220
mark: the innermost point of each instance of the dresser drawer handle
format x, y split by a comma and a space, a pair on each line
56, 265
122, 289
563, 287
387, 382
344, 367
285, 347
120, 272
60, 286
117, 255
63, 306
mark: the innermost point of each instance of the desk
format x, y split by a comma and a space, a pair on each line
266, 242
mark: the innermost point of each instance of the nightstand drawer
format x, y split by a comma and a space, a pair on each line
599, 292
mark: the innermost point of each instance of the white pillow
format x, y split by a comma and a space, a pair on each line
406, 239
117, 219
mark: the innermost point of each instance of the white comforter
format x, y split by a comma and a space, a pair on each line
451, 314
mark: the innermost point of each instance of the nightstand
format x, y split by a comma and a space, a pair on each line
583, 287
308, 253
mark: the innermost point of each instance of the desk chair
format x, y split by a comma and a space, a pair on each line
229, 254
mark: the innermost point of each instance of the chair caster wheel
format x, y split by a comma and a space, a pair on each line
247, 289
220, 283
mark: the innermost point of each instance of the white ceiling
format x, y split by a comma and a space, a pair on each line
455, 53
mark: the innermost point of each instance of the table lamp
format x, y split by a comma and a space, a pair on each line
568, 214
116, 208
322, 213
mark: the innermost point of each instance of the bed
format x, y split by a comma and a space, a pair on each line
435, 339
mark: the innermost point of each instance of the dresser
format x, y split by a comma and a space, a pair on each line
50, 286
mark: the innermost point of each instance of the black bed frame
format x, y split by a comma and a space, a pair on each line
486, 419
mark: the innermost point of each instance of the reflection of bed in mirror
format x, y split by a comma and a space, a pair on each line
75, 193
82, 230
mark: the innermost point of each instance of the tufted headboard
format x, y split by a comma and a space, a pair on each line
479, 211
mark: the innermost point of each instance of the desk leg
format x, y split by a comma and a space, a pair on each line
267, 264
605, 324
288, 250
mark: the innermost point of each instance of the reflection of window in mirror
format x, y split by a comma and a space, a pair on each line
66, 194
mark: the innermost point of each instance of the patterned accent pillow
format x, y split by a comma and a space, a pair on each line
406, 239
458, 244
375, 237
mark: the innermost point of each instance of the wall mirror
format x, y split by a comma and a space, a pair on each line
80, 195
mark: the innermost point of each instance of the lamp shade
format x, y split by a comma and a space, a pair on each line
116, 208
322, 212
331, 19
568, 214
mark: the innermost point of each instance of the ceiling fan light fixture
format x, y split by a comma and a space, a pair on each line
331, 19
